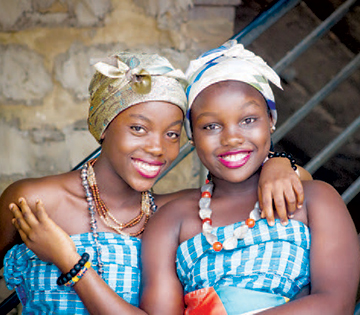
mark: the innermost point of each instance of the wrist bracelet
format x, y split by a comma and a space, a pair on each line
64, 278
288, 156
79, 275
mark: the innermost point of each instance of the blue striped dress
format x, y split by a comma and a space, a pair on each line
269, 259
35, 280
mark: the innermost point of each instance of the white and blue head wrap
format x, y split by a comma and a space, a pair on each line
230, 61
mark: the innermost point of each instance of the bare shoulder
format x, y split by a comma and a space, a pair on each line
49, 189
320, 192
178, 218
162, 199
168, 218
317, 186
325, 205
62, 195
179, 204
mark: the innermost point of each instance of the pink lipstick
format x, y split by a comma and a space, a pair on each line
234, 159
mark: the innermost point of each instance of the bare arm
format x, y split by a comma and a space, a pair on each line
279, 184
162, 290
9, 236
43, 236
334, 257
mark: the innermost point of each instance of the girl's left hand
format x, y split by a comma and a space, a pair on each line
279, 186
41, 234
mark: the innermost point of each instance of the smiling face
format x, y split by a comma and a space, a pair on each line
142, 141
231, 130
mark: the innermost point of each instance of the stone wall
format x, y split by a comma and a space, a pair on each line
45, 48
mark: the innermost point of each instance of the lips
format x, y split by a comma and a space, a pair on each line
148, 169
234, 159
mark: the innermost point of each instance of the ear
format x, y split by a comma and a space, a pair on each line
103, 135
272, 125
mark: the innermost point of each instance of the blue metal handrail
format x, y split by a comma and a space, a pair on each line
329, 150
263, 21
351, 192
322, 29
293, 120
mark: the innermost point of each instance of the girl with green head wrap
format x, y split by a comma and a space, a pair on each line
137, 106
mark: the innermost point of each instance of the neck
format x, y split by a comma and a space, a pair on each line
224, 188
110, 184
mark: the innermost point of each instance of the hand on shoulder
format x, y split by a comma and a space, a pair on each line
42, 235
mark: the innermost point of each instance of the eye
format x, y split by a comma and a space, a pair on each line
248, 121
211, 127
138, 129
173, 135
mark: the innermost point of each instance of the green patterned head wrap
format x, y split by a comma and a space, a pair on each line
127, 79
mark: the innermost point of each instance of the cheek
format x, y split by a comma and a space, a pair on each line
172, 150
204, 147
261, 133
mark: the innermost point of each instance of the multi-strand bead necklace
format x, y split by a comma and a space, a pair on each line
97, 206
205, 213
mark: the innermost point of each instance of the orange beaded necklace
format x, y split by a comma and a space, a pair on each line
107, 217
205, 214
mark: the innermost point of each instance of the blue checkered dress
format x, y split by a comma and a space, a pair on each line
269, 259
35, 280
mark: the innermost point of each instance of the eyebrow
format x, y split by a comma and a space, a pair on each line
252, 102
139, 116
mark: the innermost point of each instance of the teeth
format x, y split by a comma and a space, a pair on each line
147, 167
234, 157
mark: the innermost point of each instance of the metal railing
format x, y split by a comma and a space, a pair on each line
261, 23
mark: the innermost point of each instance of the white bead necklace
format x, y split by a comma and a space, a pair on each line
205, 214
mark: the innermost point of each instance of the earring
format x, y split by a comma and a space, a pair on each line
208, 178
191, 142
273, 128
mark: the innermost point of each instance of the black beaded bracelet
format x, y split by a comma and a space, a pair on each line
284, 155
65, 277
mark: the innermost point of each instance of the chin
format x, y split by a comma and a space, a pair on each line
144, 185
238, 177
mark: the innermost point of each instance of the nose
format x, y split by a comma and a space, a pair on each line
154, 145
231, 137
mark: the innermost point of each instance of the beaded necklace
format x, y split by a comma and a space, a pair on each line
107, 217
205, 214
147, 206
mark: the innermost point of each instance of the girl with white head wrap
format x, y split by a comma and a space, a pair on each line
228, 260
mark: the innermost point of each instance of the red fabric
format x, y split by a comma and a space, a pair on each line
204, 301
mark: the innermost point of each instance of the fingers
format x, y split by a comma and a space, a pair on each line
40, 211
24, 219
299, 192
27, 213
19, 219
23, 235
290, 199
280, 206
265, 203
286, 197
